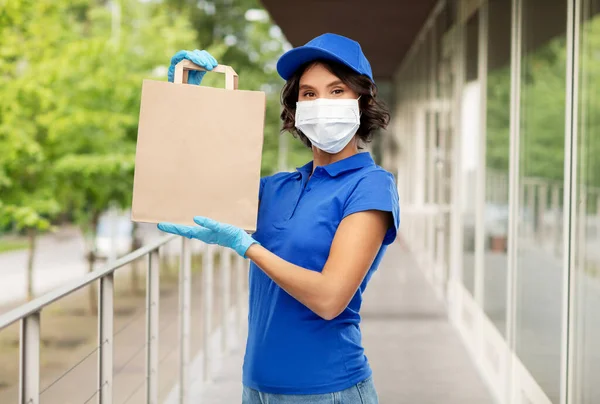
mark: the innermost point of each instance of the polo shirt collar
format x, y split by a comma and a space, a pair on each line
354, 162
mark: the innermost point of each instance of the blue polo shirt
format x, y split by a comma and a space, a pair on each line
290, 349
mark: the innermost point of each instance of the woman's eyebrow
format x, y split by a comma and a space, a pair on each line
305, 87
335, 83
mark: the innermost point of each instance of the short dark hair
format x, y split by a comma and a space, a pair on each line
374, 113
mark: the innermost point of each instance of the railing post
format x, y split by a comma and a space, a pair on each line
557, 209
542, 205
241, 302
531, 205
598, 214
29, 378
185, 318
225, 297
207, 291
152, 307
105, 339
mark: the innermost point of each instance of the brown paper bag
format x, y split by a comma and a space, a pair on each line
198, 151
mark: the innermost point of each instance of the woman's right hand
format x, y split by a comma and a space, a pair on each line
200, 57
212, 232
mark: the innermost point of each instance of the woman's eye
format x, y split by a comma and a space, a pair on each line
309, 94
338, 91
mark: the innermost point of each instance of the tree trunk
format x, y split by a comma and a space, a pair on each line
91, 258
136, 243
92, 288
32, 238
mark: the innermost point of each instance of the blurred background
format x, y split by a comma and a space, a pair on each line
491, 293
70, 80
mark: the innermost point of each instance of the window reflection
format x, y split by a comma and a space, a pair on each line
470, 148
496, 164
540, 268
587, 219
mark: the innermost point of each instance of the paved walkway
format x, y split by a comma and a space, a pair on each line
415, 353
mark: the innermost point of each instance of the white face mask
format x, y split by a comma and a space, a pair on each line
328, 124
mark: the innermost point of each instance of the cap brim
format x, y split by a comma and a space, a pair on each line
290, 61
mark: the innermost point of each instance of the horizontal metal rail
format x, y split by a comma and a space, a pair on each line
29, 315
38, 304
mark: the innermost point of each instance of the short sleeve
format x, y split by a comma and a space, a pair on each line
376, 191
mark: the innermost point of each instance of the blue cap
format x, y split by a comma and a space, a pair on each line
328, 47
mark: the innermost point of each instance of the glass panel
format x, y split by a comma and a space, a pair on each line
495, 215
443, 153
541, 172
587, 219
470, 149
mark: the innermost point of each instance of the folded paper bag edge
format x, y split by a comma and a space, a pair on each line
137, 218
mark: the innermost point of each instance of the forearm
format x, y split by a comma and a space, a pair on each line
313, 289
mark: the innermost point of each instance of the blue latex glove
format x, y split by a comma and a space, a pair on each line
200, 57
212, 232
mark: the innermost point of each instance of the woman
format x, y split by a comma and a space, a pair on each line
321, 233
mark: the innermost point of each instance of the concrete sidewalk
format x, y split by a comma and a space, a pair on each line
416, 355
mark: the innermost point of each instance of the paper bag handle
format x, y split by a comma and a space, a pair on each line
182, 68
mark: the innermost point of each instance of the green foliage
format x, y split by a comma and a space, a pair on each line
90, 183
589, 118
543, 111
70, 80
543, 91
26, 183
70, 88
498, 119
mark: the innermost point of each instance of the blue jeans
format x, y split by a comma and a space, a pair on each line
362, 393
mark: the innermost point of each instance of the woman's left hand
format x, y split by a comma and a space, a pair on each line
212, 232
200, 57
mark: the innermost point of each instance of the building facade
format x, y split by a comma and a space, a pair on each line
499, 176
494, 143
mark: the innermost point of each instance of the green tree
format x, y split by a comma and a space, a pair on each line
542, 113
94, 124
589, 108
26, 184
71, 79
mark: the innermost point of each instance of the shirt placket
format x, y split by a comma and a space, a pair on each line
307, 184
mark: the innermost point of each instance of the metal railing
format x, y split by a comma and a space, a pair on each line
29, 316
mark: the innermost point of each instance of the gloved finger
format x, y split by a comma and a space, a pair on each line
180, 230
195, 57
211, 59
200, 59
204, 59
171, 73
178, 57
195, 77
206, 222
204, 234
